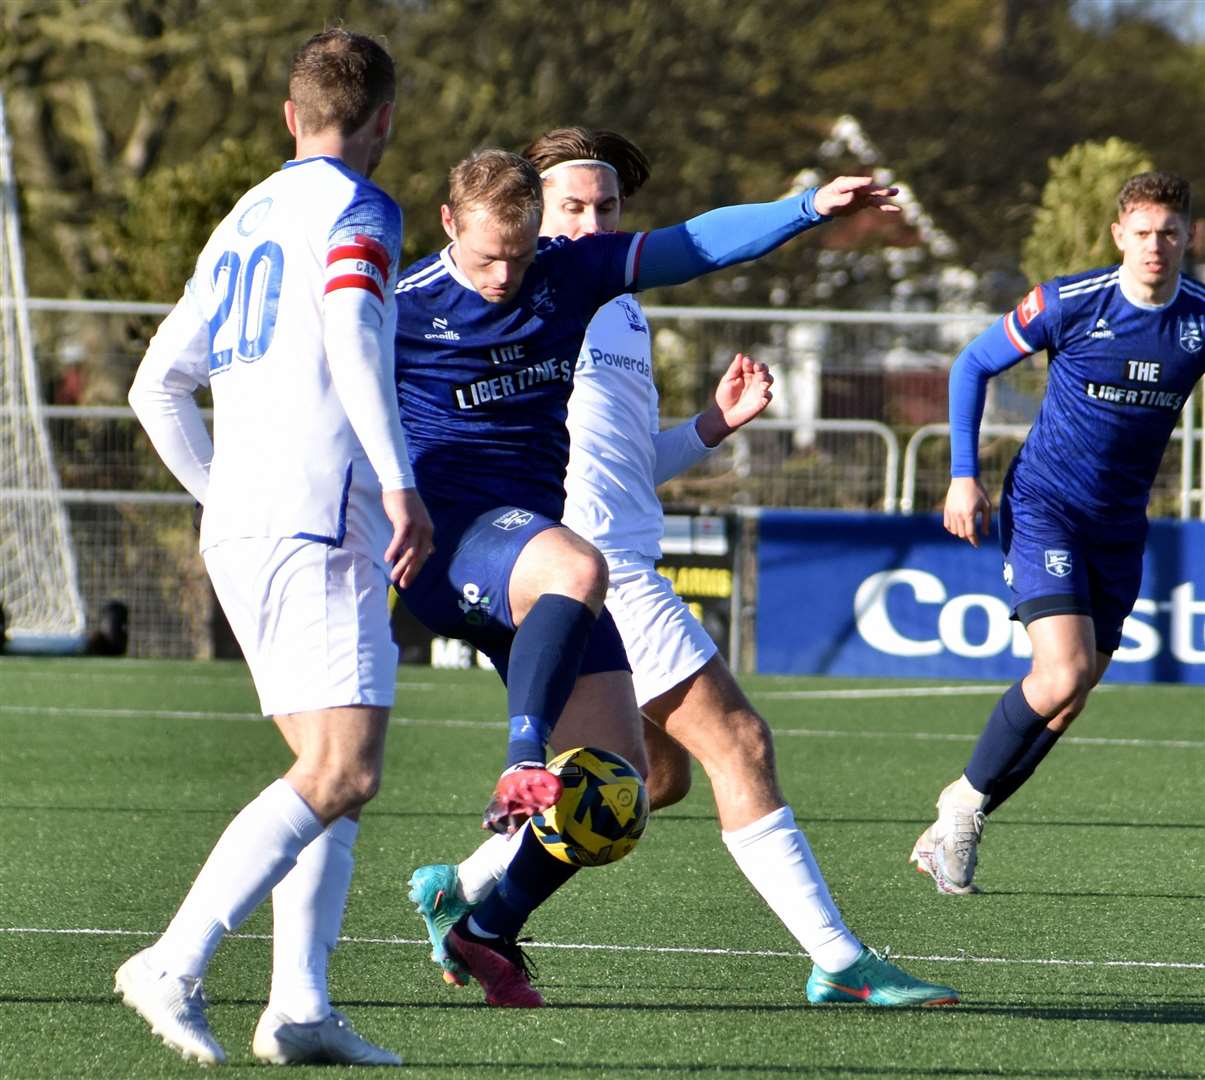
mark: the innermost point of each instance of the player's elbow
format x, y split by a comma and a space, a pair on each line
139, 398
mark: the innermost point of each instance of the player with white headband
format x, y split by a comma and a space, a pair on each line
617, 458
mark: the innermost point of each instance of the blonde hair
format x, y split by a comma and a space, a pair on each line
504, 185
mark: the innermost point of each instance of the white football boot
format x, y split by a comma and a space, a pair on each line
333, 1041
948, 849
174, 1006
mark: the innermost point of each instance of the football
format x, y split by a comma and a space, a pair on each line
601, 813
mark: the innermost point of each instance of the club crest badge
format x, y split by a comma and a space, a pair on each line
1058, 562
512, 519
542, 302
1191, 335
632, 313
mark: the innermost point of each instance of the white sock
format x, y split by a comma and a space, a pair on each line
774, 855
482, 870
307, 912
962, 791
257, 849
475, 927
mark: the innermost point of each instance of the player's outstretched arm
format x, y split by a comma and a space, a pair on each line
742, 394
412, 535
966, 503
848, 194
734, 234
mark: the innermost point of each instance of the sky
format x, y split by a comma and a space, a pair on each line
1186, 18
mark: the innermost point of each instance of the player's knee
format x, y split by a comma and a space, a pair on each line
582, 574
356, 786
1066, 687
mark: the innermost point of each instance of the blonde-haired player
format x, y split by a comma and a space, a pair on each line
617, 458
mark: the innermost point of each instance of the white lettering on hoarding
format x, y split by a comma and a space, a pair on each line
874, 624
1141, 643
1184, 607
951, 625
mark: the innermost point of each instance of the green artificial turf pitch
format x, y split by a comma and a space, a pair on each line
1085, 957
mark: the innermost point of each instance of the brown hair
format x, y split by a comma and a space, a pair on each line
1156, 189
580, 144
503, 184
339, 79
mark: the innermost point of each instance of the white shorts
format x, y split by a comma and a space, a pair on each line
665, 643
312, 621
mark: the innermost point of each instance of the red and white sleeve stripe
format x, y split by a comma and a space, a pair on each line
359, 263
1013, 332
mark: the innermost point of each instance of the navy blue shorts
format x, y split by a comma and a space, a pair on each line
463, 590
1052, 569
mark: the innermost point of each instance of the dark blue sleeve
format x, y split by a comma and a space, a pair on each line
720, 238
989, 354
601, 266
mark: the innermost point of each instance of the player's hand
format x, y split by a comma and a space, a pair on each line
743, 393
412, 535
522, 790
849, 194
965, 501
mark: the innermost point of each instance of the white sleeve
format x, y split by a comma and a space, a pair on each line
175, 366
359, 351
678, 448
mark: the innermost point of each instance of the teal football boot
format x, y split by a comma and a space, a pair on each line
873, 980
433, 891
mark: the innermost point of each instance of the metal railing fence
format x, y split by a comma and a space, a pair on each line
852, 389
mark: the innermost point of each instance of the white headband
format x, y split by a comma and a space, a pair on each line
577, 161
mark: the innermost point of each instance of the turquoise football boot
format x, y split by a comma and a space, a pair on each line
433, 891
873, 980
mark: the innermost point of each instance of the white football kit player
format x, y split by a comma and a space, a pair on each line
617, 458
289, 320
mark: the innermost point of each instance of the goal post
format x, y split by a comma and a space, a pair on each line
39, 585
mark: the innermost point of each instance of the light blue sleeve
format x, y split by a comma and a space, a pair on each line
989, 354
677, 449
720, 238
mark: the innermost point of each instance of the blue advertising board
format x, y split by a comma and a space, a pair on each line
894, 595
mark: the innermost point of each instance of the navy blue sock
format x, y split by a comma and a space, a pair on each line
532, 877
1010, 729
544, 660
1023, 769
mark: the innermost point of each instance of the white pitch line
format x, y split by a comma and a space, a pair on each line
664, 950
878, 692
242, 678
854, 693
496, 725
188, 714
937, 736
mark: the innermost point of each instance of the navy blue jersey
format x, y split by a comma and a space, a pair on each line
1119, 374
483, 388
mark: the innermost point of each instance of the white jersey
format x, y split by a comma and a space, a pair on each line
289, 320
617, 454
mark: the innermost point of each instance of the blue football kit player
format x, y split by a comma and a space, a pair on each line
691, 703
1126, 346
488, 336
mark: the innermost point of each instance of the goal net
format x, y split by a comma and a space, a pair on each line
39, 589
